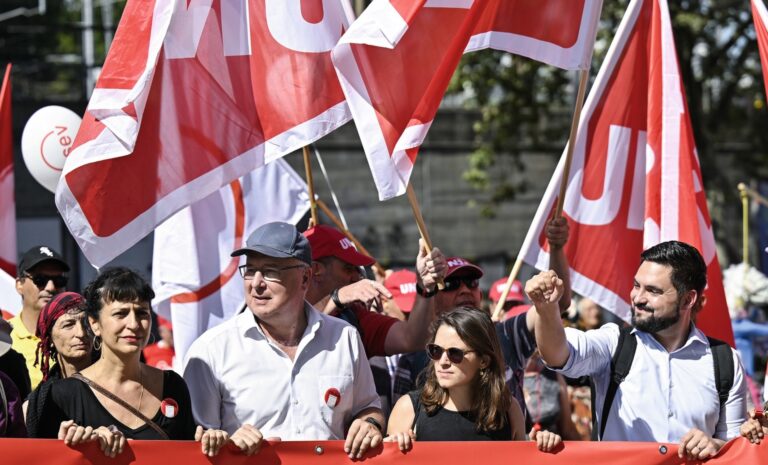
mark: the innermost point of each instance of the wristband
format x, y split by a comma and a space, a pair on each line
336, 301
425, 293
375, 423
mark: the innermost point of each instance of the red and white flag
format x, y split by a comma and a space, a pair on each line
760, 18
196, 281
397, 58
193, 95
557, 32
10, 300
635, 179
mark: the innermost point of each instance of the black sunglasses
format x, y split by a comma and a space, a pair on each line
455, 355
41, 280
451, 284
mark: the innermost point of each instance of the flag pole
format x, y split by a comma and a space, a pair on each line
499, 310
340, 226
580, 95
583, 78
420, 223
744, 223
310, 186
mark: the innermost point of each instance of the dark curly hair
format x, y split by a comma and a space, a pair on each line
118, 284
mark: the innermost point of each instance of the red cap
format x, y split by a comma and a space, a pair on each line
163, 323
515, 291
330, 242
516, 310
402, 285
461, 267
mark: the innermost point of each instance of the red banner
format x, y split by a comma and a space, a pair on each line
192, 96
635, 179
31, 451
7, 202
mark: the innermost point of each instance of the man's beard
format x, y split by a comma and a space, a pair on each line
653, 324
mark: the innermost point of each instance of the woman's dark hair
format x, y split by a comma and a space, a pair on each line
118, 284
492, 399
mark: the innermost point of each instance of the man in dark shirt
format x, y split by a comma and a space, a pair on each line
13, 363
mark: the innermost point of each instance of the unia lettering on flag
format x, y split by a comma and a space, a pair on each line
193, 95
629, 187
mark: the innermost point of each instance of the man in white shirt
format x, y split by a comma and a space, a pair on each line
669, 393
283, 369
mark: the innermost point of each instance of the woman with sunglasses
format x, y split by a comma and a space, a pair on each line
118, 397
65, 348
464, 397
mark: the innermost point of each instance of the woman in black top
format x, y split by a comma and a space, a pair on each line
464, 397
118, 397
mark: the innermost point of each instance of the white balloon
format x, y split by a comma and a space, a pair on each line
46, 141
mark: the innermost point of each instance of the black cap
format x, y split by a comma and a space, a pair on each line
39, 254
278, 240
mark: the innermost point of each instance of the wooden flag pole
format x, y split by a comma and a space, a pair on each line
744, 223
580, 95
340, 226
583, 78
499, 310
310, 186
420, 223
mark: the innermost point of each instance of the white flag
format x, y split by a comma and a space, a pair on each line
196, 281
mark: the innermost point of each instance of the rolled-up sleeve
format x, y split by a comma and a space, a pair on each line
589, 352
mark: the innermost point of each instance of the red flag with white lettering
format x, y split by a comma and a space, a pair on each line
193, 95
9, 298
397, 59
544, 30
760, 18
635, 179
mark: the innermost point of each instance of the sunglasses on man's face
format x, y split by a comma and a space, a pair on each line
452, 284
455, 355
41, 280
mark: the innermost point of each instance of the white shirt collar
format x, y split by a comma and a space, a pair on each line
246, 323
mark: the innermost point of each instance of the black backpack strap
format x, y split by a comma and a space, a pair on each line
722, 358
620, 366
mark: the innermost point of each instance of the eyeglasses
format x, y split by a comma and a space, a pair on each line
269, 273
41, 280
452, 284
455, 355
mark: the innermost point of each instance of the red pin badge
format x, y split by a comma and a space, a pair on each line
169, 407
332, 397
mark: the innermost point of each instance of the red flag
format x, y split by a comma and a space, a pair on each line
760, 18
9, 298
192, 96
397, 59
543, 30
635, 178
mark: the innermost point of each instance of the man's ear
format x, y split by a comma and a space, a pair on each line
689, 299
317, 269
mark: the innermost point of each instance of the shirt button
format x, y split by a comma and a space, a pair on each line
670, 414
298, 431
295, 402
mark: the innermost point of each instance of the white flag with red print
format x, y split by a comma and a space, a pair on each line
558, 32
193, 95
635, 179
760, 18
397, 58
10, 300
196, 282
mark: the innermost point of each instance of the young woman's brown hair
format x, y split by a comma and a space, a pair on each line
492, 397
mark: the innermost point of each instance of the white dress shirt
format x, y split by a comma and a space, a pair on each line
236, 375
665, 394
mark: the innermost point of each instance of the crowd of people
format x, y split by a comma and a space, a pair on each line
321, 352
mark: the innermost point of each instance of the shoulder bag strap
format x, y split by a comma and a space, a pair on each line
123, 404
620, 366
722, 358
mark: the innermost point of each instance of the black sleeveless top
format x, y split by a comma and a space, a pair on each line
446, 425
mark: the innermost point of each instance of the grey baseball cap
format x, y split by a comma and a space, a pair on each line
278, 240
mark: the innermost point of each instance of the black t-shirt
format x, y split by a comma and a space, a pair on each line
71, 399
14, 366
447, 425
